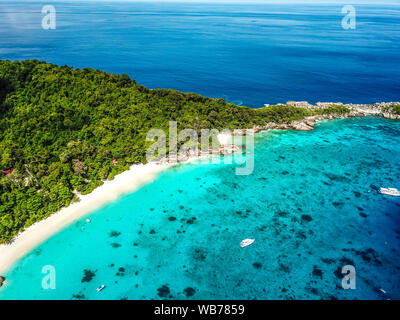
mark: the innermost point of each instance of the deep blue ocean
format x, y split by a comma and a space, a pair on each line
247, 54
311, 203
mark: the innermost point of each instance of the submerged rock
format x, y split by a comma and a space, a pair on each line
337, 177
88, 275
191, 221
346, 261
282, 213
189, 292
284, 268
115, 234
357, 194
317, 272
163, 292
121, 272
338, 204
306, 217
374, 187
327, 260
369, 255
199, 254
115, 245
78, 296
338, 273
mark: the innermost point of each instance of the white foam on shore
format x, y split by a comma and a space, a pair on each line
128, 181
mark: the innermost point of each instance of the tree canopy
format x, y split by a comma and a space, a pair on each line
60, 129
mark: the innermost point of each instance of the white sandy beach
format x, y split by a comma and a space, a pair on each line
31, 237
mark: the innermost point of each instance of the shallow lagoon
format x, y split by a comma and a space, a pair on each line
311, 204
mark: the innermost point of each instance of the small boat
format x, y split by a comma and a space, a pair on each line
247, 242
88, 220
100, 288
390, 192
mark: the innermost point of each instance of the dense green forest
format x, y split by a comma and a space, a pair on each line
393, 108
62, 127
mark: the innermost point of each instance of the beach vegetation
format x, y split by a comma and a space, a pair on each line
332, 109
396, 108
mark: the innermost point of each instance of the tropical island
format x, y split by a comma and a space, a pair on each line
67, 131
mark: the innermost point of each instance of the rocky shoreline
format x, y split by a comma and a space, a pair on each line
381, 109
224, 149
384, 109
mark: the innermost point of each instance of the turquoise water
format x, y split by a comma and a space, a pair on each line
311, 204
248, 54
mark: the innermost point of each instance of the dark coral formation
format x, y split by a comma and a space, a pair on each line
199, 254
317, 272
78, 296
115, 234
115, 245
189, 292
164, 291
88, 275
121, 272
369, 255
306, 218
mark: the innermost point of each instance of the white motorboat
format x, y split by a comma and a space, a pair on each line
390, 192
247, 242
100, 288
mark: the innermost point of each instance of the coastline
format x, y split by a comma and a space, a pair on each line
31, 237
308, 123
125, 182
139, 175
